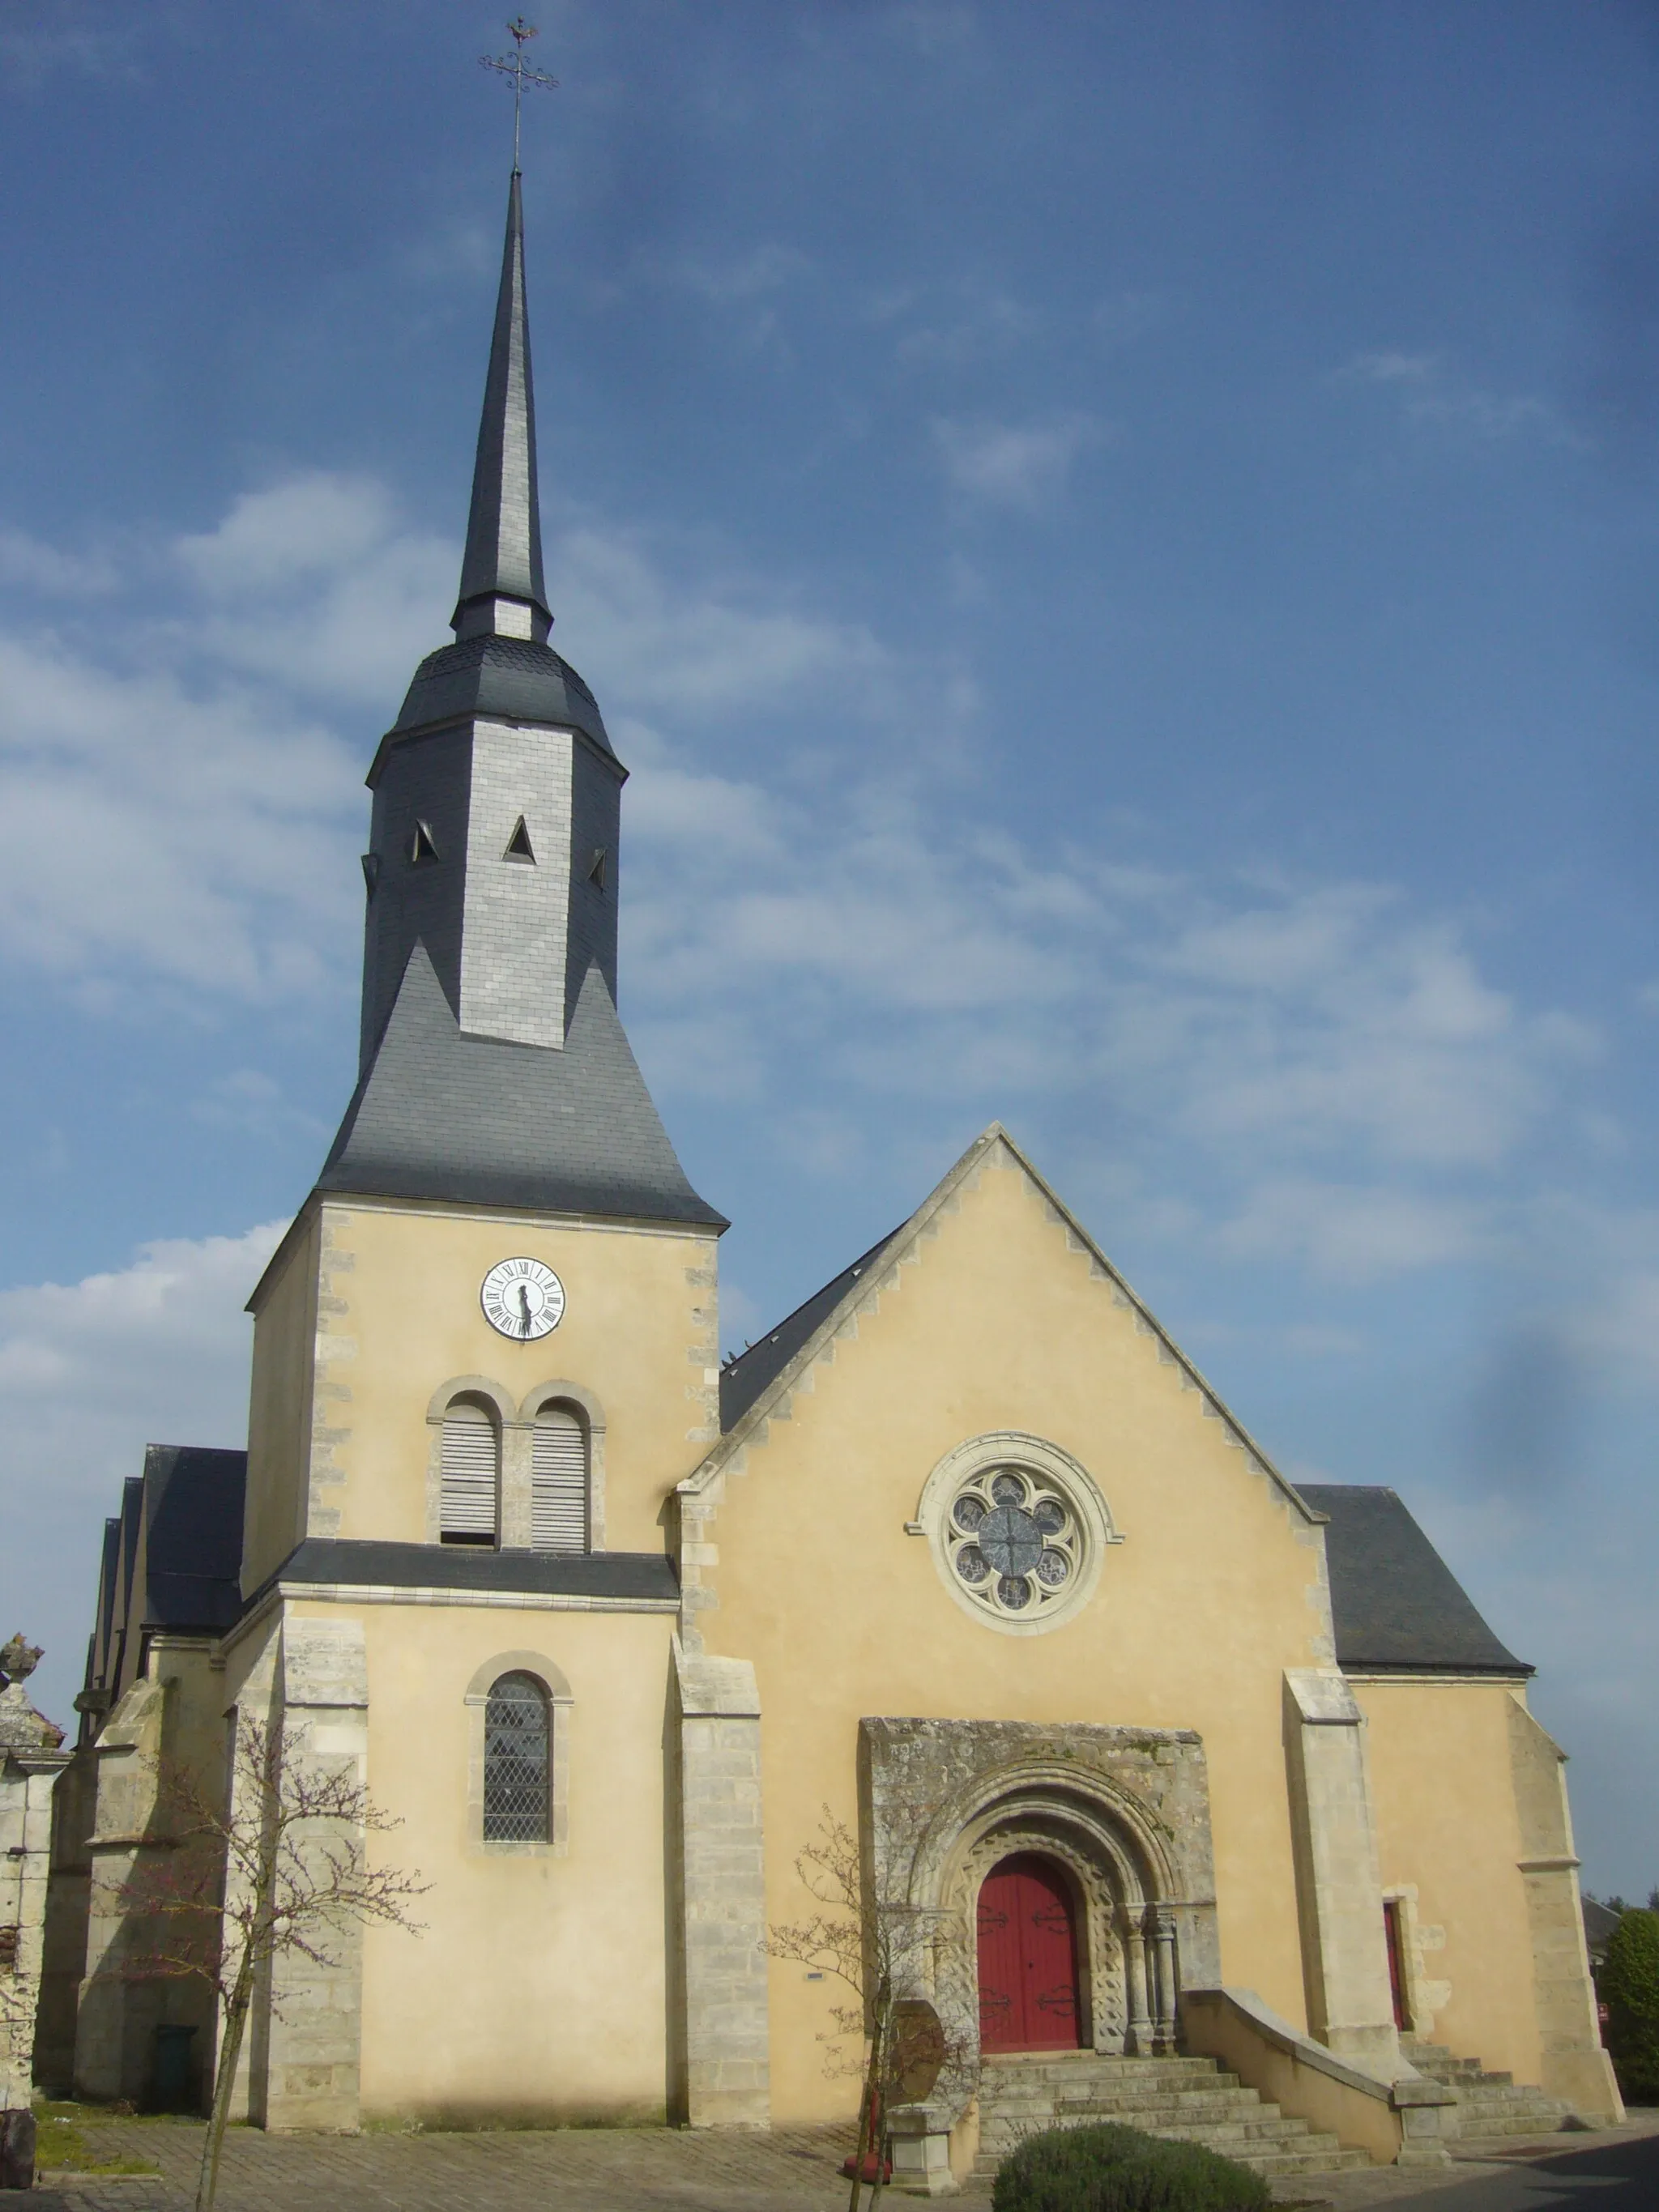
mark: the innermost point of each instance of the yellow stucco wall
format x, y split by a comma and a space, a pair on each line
1000, 1324
640, 1312
537, 1990
1001, 1321
280, 1402
1445, 1797
403, 1318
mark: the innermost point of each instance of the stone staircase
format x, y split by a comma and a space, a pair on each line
1489, 2106
1185, 2100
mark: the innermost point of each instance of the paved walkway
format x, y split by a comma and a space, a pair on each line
580, 2169
671, 2170
1609, 2170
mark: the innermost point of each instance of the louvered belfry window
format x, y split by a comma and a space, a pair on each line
517, 1745
471, 1475
558, 1481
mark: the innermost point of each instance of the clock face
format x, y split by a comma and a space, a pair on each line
522, 1298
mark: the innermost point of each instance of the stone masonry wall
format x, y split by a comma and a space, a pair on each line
722, 1895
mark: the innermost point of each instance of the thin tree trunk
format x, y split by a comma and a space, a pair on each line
230, 2050
866, 2112
879, 2114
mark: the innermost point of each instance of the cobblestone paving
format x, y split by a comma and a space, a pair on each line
672, 2170
578, 2169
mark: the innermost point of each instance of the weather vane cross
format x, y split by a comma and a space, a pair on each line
514, 65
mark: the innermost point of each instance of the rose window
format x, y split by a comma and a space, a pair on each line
1013, 1541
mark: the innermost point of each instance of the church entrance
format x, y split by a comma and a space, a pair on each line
1028, 1994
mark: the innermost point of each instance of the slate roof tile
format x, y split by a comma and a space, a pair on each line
1396, 1603
477, 1121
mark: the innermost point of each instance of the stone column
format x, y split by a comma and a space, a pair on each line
116, 2017
1573, 2064
1138, 2038
1345, 1958
31, 1760
1163, 1939
311, 2038
726, 2058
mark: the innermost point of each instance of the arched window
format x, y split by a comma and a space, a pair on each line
517, 1762
558, 1481
471, 1471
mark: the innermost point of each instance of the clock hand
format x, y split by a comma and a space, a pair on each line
525, 1315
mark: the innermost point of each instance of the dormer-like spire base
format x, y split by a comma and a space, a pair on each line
502, 593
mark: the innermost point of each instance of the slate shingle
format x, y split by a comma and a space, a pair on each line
746, 1376
1396, 1605
439, 1115
336, 1560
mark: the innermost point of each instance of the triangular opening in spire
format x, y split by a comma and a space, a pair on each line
422, 846
518, 846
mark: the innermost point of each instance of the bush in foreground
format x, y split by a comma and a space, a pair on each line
1630, 1990
1119, 2169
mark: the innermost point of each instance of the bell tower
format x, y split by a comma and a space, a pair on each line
500, 1128
493, 1067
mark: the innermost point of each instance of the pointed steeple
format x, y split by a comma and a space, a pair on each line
493, 1070
502, 593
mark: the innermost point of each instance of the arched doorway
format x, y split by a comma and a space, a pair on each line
1028, 1979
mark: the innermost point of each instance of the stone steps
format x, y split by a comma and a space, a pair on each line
1491, 2106
1180, 2099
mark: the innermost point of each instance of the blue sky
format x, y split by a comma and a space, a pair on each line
1122, 547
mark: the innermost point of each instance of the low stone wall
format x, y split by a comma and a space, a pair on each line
1395, 2123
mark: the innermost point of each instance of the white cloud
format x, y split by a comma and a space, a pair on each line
91, 1372
743, 277
704, 650
1347, 1235
51, 571
1023, 465
316, 583
992, 323
1431, 393
1265, 1024
149, 829
175, 804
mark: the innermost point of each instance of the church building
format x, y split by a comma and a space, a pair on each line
1174, 1765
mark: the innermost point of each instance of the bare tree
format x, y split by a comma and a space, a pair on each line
882, 1952
274, 1866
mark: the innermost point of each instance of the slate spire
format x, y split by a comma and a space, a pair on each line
494, 1068
502, 593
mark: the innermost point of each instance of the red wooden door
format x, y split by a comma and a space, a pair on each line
1027, 1958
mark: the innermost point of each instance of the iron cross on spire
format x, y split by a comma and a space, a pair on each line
516, 67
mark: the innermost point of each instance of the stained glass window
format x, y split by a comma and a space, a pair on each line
1014, 1540
517, 1762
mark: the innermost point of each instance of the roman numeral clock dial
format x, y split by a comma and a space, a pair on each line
522, 1298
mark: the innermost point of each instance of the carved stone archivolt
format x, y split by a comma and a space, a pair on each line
1123, 1812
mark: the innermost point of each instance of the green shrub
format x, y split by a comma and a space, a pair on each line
1119, 2169
1630, 1990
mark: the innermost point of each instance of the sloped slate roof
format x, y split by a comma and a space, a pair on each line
1396, 1603
336, 1560
512, 678
743, 1381
192, 1536
479, 1122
